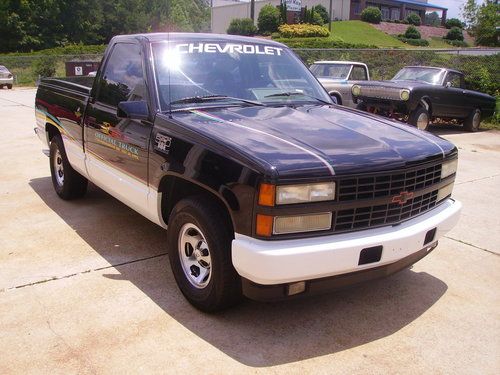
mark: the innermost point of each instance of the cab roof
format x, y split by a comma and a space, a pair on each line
196, 37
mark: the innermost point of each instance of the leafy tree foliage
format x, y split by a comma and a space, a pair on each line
269, 19
414, 19
488, 19
432, 19
27, 25
454, 22
469, 13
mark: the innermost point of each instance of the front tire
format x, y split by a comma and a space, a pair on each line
68, 183
9, 87
473, 121
199, 248
420, 118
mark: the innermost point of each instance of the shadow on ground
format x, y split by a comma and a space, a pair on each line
449, 129
254, 334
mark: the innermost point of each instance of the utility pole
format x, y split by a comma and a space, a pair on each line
331, 18
252, 10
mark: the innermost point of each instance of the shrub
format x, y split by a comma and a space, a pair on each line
414, 42
44, 66
320, 43
371, 15
455, 33
303, 30
312, 17
456, 43
269, 19
412, 33
414, 19
405, 22
454, 22
321, 10
242, 26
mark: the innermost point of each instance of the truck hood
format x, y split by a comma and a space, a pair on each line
313, 141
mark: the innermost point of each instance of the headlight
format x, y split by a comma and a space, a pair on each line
448, 168
404, 94
289, 194
303, 223
444, 192
356, 90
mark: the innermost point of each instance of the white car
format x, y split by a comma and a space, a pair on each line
6, 77
337, 77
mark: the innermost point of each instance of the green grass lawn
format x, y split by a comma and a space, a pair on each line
363, 33
435, 42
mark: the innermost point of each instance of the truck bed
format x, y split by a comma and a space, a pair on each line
82, 85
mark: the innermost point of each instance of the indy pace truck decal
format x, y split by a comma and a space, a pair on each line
266, 189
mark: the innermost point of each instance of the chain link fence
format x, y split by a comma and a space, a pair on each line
481, 67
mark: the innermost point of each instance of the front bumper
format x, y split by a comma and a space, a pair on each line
278, 263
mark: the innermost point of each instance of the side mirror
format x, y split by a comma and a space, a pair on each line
134, 110
447, 85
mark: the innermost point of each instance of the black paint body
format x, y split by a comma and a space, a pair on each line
228, 151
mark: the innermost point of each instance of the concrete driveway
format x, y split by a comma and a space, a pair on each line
85, 287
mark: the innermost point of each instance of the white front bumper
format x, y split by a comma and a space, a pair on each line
285, 261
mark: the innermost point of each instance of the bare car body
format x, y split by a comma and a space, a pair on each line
337, 77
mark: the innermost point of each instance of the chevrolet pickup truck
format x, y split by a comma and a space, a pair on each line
266, 189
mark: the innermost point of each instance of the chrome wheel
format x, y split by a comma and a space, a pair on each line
422, 121
476, 120
59, 168
194, 255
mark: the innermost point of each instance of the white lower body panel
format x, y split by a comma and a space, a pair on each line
285, 261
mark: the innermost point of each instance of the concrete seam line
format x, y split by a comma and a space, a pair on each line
478, 179
474, 246
20, 104
79, 273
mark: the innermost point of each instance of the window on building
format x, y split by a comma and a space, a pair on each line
395, 13
356, 6
386, 13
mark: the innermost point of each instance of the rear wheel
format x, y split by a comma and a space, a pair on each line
9, 87
68, 183
420, 118
473, 121
199, 248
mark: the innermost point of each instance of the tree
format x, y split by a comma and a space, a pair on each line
269, 19
469, 13
488, 19
432, 19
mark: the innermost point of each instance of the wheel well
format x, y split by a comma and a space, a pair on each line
426, 103
51, 131
174, 189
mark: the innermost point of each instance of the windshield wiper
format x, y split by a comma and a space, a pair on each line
295, 93
209, 98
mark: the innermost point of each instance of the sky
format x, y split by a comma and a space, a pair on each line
452, 5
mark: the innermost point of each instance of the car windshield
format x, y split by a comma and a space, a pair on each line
429, 75
334, 71
223, 73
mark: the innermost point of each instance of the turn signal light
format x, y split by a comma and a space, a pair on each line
264, 225
267, 194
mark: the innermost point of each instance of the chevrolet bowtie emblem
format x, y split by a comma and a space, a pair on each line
402, 198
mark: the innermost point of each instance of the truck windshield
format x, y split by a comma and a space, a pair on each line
190, 73
334, 71
429, 75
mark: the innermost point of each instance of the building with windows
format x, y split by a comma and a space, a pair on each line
395, 9
223, 11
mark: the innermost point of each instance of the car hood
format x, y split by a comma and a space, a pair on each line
312, 141
396, 84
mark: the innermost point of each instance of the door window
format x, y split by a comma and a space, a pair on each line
123, 76
358, 73
454, 79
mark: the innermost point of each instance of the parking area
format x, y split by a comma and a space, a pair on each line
85, 287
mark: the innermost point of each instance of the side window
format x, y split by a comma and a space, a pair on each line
123, 78
455, 79
358, 73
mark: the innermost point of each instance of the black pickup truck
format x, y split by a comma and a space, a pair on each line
267, 188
